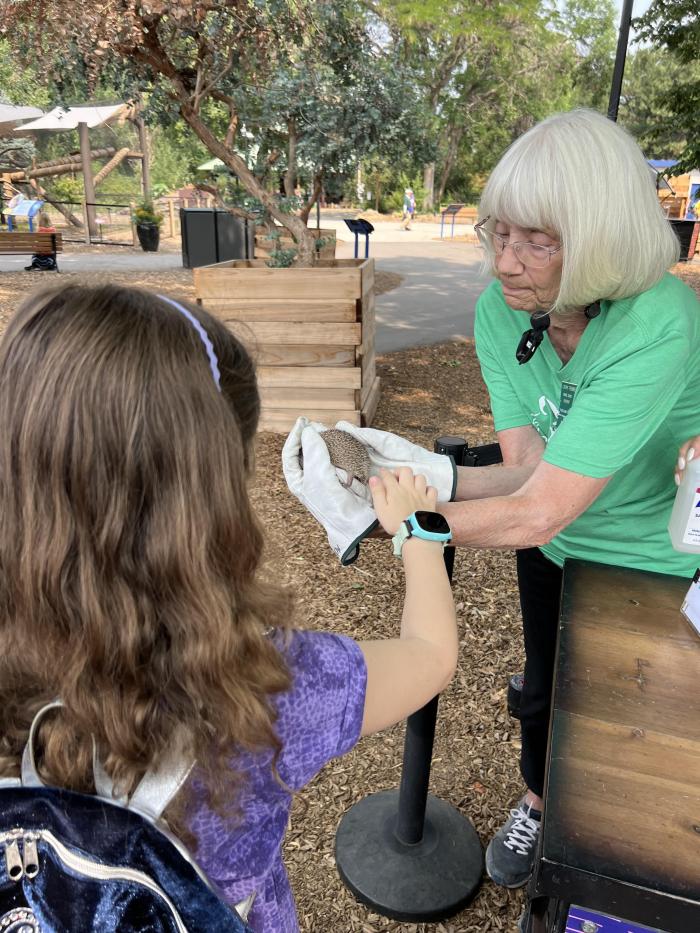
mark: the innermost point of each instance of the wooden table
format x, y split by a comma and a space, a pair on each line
621, 830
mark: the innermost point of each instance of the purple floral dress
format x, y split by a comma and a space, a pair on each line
319, 718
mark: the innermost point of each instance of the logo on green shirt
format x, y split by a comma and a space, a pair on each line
549, 416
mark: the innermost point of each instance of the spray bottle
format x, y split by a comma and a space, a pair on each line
684, 526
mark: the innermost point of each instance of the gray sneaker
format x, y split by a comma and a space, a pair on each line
511, 853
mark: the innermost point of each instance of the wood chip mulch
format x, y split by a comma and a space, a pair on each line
426, 392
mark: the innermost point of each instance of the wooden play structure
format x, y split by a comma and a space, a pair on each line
677, 193
311, 331
82, 119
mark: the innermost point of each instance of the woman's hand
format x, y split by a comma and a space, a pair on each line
686, 453
396, 496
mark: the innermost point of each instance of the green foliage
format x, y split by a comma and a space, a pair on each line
674, 25
652, 76
67, 189
335, 97
145, 213
281, 257
487, 72
21, 84
303, 91
590, 28
17, 86
175, 154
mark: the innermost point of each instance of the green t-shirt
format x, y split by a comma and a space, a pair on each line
623, 404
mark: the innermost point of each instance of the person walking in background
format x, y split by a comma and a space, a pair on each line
409, 208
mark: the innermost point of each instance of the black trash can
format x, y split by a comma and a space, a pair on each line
687, 233
212, 235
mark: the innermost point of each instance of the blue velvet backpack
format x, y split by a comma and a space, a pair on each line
78, 863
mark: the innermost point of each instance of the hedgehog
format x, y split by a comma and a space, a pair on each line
347, 454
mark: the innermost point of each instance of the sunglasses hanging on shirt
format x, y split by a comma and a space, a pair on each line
532, 338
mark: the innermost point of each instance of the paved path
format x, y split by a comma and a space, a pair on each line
435, 301
441, 280
100, 262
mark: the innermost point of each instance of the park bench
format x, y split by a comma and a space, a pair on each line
467, 215
18, 244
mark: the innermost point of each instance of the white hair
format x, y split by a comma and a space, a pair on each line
583, 178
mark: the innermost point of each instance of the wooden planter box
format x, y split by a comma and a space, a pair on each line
263, 246
311, 332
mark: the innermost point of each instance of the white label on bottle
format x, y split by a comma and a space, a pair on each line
691, 605
692, 529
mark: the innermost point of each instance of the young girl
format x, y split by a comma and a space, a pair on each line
129, 584
43, 262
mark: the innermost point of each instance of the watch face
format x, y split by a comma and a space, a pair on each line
433, 522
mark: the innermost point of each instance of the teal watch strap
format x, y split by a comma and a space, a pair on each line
410, 528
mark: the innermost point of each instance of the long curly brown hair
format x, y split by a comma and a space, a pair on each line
129, 552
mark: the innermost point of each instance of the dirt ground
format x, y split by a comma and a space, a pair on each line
426, 392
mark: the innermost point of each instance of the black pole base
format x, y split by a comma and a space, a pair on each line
432, 880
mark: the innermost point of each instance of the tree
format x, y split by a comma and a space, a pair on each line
482, 68
191, 55
338, 99
589, 25
21, 87
217, 64
652, 76
674, 25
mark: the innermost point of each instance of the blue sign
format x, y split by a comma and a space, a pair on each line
28, 208
585, 921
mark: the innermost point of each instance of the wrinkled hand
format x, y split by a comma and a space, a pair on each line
398, 495
686, 453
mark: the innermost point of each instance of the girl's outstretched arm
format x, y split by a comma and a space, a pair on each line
404, 673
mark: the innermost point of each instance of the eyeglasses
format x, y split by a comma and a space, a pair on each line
529, 254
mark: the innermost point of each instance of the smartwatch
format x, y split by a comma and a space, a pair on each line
430, 526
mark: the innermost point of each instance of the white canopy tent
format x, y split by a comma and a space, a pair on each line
70, 118
84, 118
11, 116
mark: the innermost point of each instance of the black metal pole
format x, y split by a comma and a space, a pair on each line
415, 774
407, 854
620, 56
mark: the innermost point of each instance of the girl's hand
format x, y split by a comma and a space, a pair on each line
687, 452
397, 495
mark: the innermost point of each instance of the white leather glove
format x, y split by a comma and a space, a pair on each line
389, 452
346, 517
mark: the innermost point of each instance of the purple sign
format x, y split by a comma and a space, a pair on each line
585, 921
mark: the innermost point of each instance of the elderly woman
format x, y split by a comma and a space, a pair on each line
591, 354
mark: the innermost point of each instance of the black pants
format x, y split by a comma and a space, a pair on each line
44, 262
539, 582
